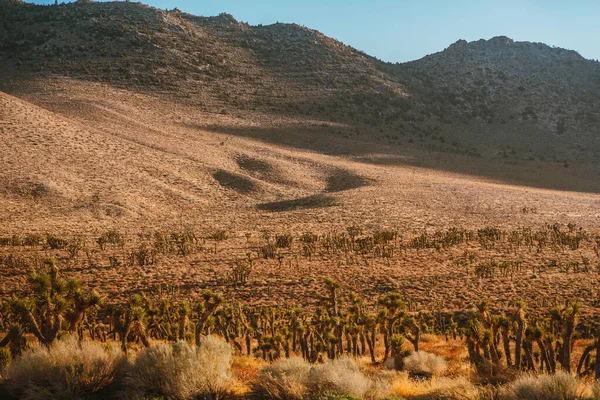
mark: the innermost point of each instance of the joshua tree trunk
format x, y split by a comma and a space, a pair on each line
370, 337
597, 366
519, 342
566, 348
527, 346
506, 344
584, 357
544, 354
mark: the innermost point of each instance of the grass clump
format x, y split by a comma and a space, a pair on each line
434, 389
561, 386
425, 364
341, 376
182, 371
68, 369
286, 379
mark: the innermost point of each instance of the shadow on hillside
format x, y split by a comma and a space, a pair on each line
234, 182
341, 180
324, 139
315, 201
340, 142
553, 176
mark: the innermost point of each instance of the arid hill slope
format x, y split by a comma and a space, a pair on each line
119, 113
494, 98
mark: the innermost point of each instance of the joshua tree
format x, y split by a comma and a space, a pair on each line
81, 303
505, 326
566, 320
53, 301
393, 310
130, 319
520, 322
398, 355
205, 308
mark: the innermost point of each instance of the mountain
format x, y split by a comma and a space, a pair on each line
524, 97
127, 111
494, 97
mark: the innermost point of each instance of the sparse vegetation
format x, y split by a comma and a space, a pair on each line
142, 259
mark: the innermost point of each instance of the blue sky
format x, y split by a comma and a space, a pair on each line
398, 31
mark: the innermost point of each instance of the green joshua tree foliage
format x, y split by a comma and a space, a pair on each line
398, 354
393, 309
129, 320
54, 303
520, 320
14, 341
566, 319
205, 308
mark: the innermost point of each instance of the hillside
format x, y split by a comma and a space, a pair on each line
495, 98
518, 98
133, 114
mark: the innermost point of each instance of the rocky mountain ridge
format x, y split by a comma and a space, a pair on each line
492, 98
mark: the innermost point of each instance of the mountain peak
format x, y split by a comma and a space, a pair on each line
503, 45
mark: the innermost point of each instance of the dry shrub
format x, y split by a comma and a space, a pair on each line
561, 386
429, 338
182, 371
341, 376
434, 389
67, 370
286, 379
595, 390
422, 363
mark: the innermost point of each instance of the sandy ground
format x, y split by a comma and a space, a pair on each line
80, 158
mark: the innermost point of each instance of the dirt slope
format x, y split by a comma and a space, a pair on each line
88, 156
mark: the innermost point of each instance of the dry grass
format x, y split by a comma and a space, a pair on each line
181, 371
423, 363
561, 386
68, 370
341, 376
436, 388
286, 379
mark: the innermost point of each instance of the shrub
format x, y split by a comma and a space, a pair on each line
427, 364
286, 379
284, 241
596, 390
56, 243
561, 386
68, 369
182, 371
267, 251
341, 376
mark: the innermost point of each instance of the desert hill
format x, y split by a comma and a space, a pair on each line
123, 112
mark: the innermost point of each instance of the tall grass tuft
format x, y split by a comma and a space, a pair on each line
561, 386
182, 371
341, 376
426, 364
69, 369
434, 389
286, 379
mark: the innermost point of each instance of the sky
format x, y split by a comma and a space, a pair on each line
404, 30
